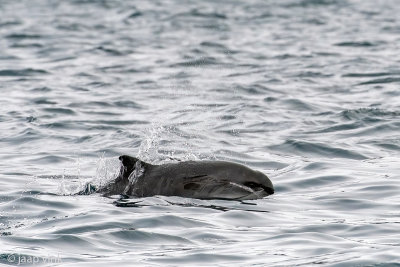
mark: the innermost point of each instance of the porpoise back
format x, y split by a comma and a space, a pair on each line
193, 179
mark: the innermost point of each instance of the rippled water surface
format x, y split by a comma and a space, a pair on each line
307, 92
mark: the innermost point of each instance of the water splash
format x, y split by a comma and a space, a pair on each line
107, 169
148, 150
157, 147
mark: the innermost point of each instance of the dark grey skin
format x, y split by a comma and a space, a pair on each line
192, 179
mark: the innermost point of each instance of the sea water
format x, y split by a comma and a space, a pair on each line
306, 91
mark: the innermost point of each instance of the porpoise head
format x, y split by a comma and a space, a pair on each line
260, 182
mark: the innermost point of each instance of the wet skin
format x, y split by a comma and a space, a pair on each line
193, 179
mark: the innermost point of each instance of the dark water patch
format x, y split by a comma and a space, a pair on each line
120, 122
315, 21
43, 89
392, 29
200, 14
119, 69
270, 99
313, 74
99, 84
135, 14
112, 68
324, 113
316, 149
392, 93
22, 72
5, 24
327, 54
210, 15
214, 45
145, 82
101, 113
285, 56
4, 234
86, 75
19, 36
102, 104
30, 45
8, 57
215, 26
253, 89
314, 3
370, 74
66, 125
263, 15
16, 173
102, 4
218, 47
43, 101
31, 119
205, 61
25, 80
381, 81
112, 51
369, 114
356, 44
62, 58
79, 88
297, 104
227, 117
73, 27
127, 104
65, 111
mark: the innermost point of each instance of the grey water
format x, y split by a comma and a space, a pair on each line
306, 91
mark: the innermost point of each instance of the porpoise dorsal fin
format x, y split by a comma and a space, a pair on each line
128, 164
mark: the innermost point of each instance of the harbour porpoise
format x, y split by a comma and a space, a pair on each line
192, 179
